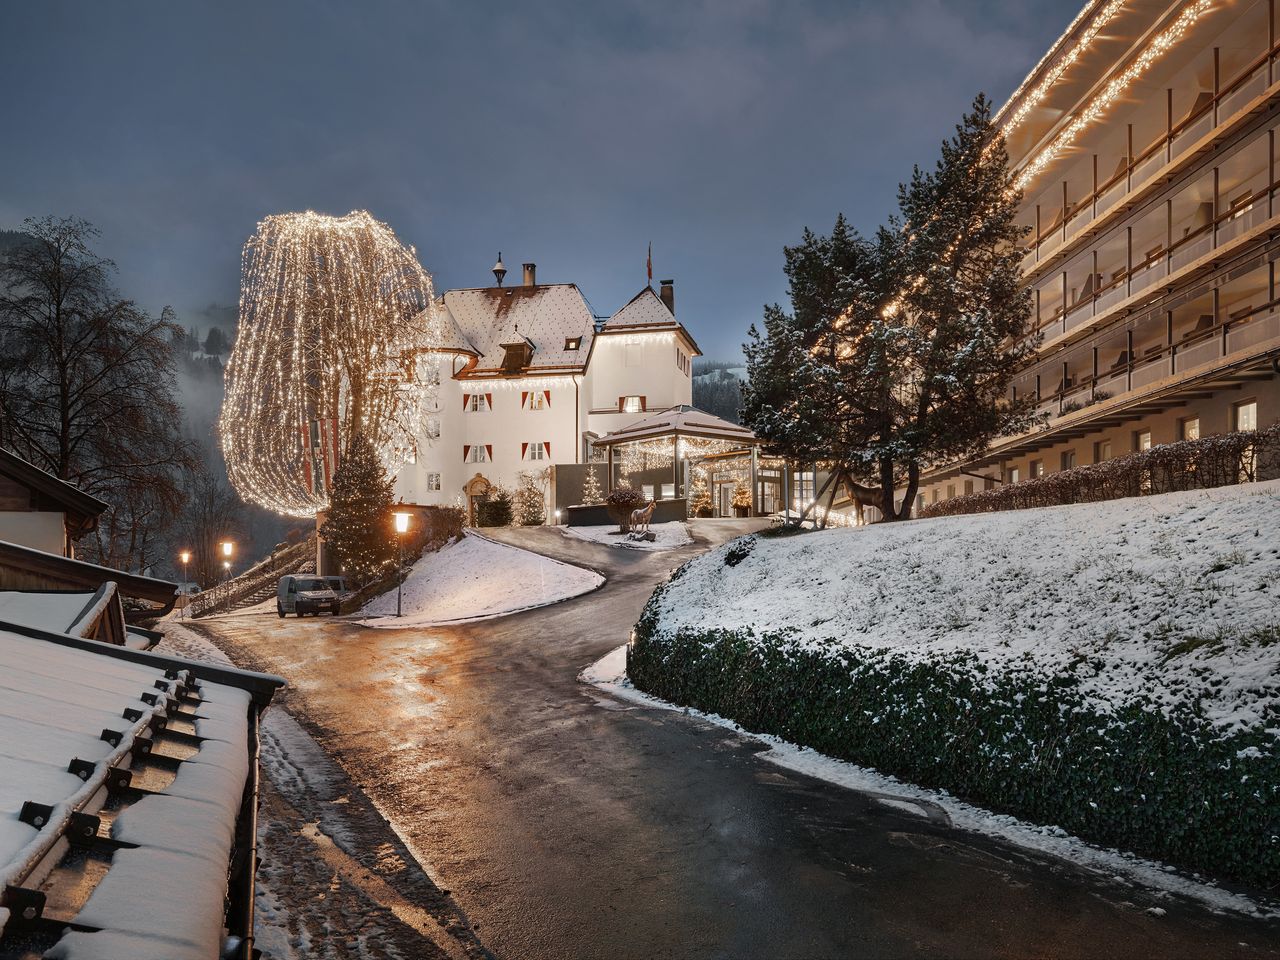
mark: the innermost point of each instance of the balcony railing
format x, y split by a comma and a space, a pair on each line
1235, 95
1204, 348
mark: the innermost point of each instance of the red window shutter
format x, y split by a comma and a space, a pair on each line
524, 395
622, 403
524, 448
547, 447
466, 400
547, 396
644, 404
488, 451
488, 399
466, 451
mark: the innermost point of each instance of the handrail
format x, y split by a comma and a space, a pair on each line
1161, 142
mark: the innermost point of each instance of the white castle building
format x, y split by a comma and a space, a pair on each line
532, 378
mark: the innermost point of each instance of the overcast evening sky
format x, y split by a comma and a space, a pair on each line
567, 134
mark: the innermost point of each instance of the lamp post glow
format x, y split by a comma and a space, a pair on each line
402, 527
228, 548
557, 518
185, 557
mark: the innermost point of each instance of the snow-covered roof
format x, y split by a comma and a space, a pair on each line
53, 609
547, 315
81, 509
684, 420
645, 309
77, 718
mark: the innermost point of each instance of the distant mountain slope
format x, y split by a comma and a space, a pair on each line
717, 388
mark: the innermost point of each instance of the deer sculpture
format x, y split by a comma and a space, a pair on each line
640, 518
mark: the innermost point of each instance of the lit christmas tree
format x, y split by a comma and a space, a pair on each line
530, 503
357, 526
742, 495
699, 494
591, 492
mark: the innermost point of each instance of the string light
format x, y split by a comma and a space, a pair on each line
333, 313
1119, 85
1036, 96
638, 337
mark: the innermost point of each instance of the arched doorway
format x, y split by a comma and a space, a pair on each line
475, 490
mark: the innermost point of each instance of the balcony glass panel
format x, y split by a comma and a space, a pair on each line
1112, 385
1238, 99
1183, 140
1256, 331
1146, 168
1150, 372
1111, 296
1112, 195
1197, 355
1050, 243
1243, 221
1148, 276
1192, 250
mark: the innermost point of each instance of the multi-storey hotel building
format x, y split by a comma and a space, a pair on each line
1145, 144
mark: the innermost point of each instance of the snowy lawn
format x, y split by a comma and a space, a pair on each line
474, 579
667, 536
1110, 668
1175, 596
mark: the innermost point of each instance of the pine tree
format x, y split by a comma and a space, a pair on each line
215, 344
591, 492
496, 509
899, 351
530, 503
358, 524
742, 494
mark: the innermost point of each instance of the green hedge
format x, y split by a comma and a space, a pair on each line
1162, 786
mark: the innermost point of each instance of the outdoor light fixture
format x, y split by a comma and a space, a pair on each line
185, 557
557, 518
402, 526
227, 547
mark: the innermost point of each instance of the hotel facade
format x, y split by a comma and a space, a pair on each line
1145, 144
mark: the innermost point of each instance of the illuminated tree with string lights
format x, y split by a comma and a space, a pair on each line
334, 312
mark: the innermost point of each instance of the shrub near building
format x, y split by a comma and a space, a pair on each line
1121, 683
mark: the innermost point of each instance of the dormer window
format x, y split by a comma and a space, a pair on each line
573, 343
516, 356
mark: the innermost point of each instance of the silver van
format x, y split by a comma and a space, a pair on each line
303, 594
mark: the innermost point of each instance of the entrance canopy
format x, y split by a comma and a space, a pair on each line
686, 454
682, 421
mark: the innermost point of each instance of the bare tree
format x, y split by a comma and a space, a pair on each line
211, 514
87, 388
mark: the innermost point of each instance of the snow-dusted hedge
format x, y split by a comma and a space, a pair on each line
1216, 461
1111, 669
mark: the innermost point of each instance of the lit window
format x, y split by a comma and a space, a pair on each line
1189, 429
1036, 469
477, 454
536, 451
573, 343
537, 400
1142, 440
1246, 415
632, 405
433, 481
1014, 475
475, 402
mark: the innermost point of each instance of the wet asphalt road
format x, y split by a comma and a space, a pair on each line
569, 824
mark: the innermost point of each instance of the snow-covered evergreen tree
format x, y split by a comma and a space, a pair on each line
530, 507
591, 491
899, 351
358, 525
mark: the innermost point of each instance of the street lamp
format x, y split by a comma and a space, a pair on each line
185, 557
557, 518
227, 549
402, 527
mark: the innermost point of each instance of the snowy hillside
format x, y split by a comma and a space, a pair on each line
476, 578
1175, 597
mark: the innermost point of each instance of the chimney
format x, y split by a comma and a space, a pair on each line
530, 274
668, 295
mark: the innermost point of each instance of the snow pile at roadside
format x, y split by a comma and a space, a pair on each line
476, 578
1173, 597
667, 536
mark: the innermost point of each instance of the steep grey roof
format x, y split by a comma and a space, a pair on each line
546, 315
452, 339
645, 309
